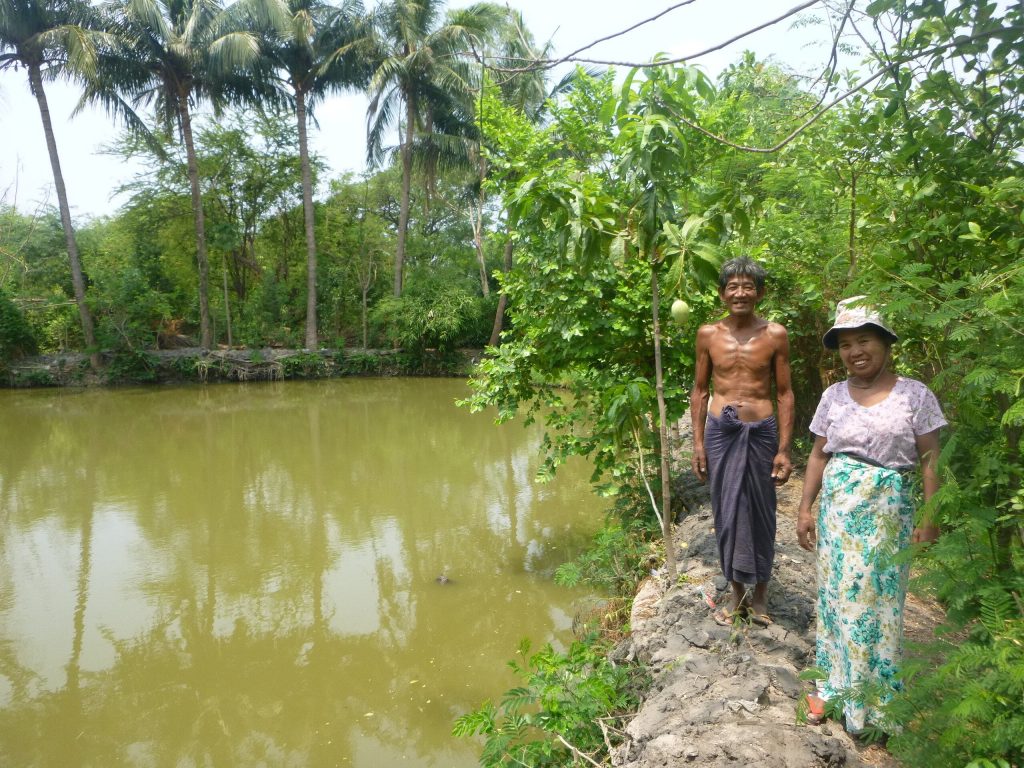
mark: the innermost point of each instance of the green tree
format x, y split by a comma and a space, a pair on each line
357, 240
316, 52
596, 239
422, 78
945, 246
16, 337
173, 54
249, 169
526, 92
49, 38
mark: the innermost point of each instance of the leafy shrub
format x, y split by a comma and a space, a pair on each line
55, 323
304, 365
564, 700
969, 710
16, 339
130, 366
623, 551
35, 377
128, 309
444, 319
616, 562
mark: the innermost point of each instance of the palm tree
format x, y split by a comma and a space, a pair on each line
526, 91
47, 38
315, 51
422, 75
173, 54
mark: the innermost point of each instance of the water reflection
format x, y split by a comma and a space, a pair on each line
245, 575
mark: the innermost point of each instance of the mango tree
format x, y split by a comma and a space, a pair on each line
594, 200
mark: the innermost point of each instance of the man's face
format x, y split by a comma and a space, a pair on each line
740, 295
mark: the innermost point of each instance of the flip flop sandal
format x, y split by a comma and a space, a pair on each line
815, 709
726, 618
761, 619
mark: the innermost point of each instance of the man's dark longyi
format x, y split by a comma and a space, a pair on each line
740, 455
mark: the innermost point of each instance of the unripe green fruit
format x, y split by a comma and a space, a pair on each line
680, 311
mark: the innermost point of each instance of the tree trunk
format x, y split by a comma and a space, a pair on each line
666, 489
77, 278
205, 326
499, 315
307, 209
403, 216
366, 291
227, 303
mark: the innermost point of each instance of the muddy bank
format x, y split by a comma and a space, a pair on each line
726, 696
191, 364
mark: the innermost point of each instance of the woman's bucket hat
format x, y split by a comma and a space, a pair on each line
853, 313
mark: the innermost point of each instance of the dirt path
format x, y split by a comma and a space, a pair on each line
728, 696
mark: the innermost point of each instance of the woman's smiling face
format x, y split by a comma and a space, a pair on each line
863, 352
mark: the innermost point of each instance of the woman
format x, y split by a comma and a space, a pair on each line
870, 431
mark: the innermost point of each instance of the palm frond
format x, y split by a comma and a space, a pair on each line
380, 116
235, 50
146, 13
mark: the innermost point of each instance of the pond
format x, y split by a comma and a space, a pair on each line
248, 575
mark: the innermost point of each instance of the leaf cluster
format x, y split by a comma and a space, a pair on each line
564, 707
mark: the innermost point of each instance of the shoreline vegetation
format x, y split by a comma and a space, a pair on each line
195, 365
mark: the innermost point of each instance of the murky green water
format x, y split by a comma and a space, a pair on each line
246, 575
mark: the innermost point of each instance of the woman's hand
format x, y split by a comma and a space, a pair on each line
928, 449
924, 534
805, 529
813, 475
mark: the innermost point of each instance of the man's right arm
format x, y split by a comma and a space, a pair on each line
699, 400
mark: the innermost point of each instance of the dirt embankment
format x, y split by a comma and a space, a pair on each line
192, 364
726, 696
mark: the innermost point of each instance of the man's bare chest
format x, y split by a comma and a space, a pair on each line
744, 353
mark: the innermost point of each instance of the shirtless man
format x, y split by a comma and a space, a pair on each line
737, 439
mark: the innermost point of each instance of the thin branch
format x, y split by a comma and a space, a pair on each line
829, 70
639, 24
549, 63
604, 735
643, 475
576, 752
817, 116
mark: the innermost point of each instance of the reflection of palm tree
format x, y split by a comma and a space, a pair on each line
81, 597
69, 725
318, 554
239, 657
42, 36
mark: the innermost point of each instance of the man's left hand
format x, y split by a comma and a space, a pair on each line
782, 468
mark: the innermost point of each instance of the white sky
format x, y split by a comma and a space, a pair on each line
26, 179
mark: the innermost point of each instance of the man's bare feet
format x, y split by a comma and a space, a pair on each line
759, 606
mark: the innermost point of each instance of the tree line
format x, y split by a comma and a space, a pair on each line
160, 66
